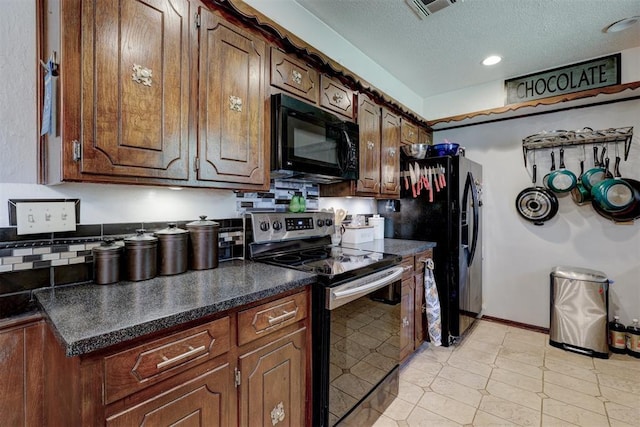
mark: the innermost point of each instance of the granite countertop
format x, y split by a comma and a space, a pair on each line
393, 246
90, 317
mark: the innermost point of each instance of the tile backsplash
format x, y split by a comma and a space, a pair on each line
29, 262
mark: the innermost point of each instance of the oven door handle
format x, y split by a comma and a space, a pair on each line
368, 287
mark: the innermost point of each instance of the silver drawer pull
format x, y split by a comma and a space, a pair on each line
407, 268
186, 355
282, 317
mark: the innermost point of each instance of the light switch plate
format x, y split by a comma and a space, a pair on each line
44, 216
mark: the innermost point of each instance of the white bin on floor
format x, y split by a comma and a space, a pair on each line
579, 311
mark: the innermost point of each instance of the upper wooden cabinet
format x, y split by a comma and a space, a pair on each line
156, 92
424, 136
390, 154
409, 132
369, 123
379, 155
232, 145
293, 76
135, 88
336, 97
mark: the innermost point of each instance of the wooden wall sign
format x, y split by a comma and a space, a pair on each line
592, 74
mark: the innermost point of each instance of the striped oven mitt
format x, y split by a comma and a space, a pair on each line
432, 303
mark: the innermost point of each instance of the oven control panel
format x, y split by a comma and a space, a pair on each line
277, 226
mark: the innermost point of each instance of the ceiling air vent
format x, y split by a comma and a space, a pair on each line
428, 7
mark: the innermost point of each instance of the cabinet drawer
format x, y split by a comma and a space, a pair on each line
293, 76
139, 367
336, 97
259, 321
421, 257
407, 267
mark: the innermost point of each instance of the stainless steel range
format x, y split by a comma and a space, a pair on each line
356, 314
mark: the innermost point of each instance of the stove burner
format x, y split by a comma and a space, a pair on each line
314, 254
286, 259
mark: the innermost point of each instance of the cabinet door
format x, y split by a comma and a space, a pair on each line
369, 123
231, 136
293, 76
336, 97
390, 154
272, 386
409, 132
135, 88
407, 318
424, 136
21, 375
203, 401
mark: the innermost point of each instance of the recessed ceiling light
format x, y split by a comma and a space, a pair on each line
491, 60
622, 24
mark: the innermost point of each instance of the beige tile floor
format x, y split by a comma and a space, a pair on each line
503, 376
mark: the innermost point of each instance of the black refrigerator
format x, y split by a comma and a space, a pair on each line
452, 218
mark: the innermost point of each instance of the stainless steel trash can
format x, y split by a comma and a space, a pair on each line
579, 311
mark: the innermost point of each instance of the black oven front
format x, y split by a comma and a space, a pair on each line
356, 348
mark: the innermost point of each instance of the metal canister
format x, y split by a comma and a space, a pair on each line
106, 262
172, 250
203, 244
142, 256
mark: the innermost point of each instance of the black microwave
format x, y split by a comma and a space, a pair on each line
311, 144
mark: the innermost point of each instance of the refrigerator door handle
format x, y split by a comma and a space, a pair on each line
471, 189
476, 216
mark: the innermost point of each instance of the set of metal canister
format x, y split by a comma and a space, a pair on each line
165, 252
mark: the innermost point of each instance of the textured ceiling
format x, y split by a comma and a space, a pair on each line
442, 52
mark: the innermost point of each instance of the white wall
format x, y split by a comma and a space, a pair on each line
491, 94
307, 27
518, 255
99, 203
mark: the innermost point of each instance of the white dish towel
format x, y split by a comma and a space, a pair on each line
432, 304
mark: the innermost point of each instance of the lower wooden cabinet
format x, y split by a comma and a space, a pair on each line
407, 309
200, 375
272, 381
413, 309
202, 401
21, 346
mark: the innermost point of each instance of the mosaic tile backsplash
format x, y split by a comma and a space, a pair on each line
29, 262
278, 197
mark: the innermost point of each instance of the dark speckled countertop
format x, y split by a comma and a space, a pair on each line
91, 317
393, 246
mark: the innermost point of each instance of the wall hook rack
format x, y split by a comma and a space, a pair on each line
586, 136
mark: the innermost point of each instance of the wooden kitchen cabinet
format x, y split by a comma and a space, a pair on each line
293, 76
155, 92
202, 401
413, 313
379, 161
425, 136
273, 383
232, 142
246, 367
124, 85
21, 351
336, 97
407, 309
369, 115
390, 155
409, 132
